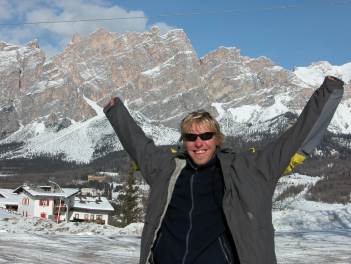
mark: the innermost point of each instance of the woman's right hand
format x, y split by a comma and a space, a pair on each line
110, 104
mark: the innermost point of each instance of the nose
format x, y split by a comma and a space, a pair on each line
198, 142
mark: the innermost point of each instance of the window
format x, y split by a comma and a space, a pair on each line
98, 217
25, 201
44, 202
86, 217
76, 216
92, 217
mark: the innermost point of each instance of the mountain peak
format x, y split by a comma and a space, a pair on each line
76, 38
34, 44
161, 78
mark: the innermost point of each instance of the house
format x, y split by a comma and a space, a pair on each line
98, 178
91, 209
9, 200
54, 203
46, 201
90, 191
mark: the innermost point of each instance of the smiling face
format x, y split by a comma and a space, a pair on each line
200, 151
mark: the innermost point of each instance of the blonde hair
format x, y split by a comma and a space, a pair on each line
202, 118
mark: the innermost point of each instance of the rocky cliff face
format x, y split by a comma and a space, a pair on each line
158, 76
33, 89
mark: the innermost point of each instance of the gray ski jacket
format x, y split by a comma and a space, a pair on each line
250, 177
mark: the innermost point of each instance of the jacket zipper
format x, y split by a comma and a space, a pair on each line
190, 217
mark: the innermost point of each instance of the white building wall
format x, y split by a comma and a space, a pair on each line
34, 209
105, 217
26, 206
69, 203
21, 207
82, 216
41, 209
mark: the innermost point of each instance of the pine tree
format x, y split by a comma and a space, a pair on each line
128, 208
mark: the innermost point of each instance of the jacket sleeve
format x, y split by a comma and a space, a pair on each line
301, 139
149, 158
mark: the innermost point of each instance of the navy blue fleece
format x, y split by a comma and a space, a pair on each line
194, 218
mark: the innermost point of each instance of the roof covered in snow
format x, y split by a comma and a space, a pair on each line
47, 191
8, 197
92, 203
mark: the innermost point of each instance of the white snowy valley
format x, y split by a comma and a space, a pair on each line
305, 232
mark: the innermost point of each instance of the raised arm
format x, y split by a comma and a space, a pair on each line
300, 140
140, 148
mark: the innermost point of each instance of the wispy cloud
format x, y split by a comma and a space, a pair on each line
54, 36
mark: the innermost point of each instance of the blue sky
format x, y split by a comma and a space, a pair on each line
291, 33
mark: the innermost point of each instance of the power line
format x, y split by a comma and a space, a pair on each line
194, 13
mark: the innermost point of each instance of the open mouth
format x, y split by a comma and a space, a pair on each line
199, 151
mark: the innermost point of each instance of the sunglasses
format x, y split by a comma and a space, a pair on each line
193, 137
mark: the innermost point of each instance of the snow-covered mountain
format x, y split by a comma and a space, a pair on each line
55, 106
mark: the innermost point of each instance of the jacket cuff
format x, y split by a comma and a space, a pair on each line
334, 83
109, 106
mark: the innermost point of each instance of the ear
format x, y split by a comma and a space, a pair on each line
216, 139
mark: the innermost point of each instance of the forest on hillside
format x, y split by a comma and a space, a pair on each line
332, 164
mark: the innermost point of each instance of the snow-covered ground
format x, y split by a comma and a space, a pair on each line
306, 232
312, 232
24, 240
307, 247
